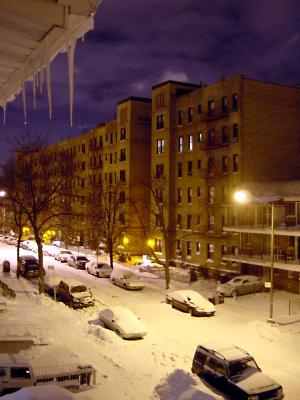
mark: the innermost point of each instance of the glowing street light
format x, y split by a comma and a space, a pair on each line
242, 196
125, 240
150, 243
2, 193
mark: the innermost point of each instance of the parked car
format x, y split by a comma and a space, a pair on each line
191, 302
29, 266
235, 372
74, 294
100, 269
77, 261
63, 255
126, 279
123, 321
243, 284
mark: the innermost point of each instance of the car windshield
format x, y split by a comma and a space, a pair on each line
236, 280
238, 368
79, 288
66, 252
82, 258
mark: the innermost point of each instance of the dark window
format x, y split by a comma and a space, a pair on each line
110, 178
189, 195
190, 168
179, 220
211, 138
122, 218
235, 162
111, 138
199, 109
199, 164
224, 164
159, 170
235, 133
190, 114
122, 197
159, 196
235, 102
210, 166
224, 105
188, 249
179, 169
123, 134
157, 221
188, 221
123, 176
179, 196
225, 135
199, 191
20, 373
83, 148
83, 166
211, 108
160, 121
123, 155
180, 117
110, 158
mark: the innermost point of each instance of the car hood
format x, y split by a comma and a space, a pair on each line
255, 382
132, 327
82, 295
205, 305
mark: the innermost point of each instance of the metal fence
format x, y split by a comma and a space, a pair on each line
6, 290
294, 306
23, 330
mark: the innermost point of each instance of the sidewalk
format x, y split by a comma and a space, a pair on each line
287, 319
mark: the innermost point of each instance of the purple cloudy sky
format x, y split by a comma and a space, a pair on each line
139, 43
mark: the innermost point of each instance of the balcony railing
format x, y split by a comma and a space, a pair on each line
285, 255
214, 114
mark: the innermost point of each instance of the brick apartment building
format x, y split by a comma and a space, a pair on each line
206, 141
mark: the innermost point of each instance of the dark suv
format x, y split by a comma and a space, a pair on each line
235, 372
29, 266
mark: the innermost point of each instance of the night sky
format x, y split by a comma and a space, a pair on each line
139, 43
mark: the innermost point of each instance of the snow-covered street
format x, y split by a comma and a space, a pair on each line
158, 366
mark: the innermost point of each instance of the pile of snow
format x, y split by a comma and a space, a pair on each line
45, 392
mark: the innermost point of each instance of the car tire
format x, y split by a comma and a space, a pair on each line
168, 301
233, 293
172, 305
97, 275
88, 271
190, 311
113, 281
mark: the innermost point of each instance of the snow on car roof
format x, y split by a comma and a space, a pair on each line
185, 293
120, 312
229, 351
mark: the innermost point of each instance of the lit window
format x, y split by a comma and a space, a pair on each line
180, 144
190, 142
189, 195
211, 108
235, 102
200, 137
160, 121
179, 196
123, 134
190, 114
160, 144
188, 249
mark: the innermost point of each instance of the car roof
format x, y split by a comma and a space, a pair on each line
225, 350
73, 282
28, 257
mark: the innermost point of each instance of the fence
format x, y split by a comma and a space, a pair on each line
6, 290
23, 330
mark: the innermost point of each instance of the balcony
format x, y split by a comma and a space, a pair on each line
280, 229
216, 113
214, 143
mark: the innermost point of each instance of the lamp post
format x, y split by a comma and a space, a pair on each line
242, 197
3, 194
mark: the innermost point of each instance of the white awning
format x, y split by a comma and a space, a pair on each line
32, 33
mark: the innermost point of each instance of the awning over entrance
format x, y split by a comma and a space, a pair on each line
32, 33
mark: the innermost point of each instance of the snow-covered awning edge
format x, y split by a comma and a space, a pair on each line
37, 63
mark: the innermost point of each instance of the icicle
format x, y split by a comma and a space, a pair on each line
24, 96
4, 114
71, 51
34, 90
48, 80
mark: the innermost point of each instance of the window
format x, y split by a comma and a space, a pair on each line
82, 182
188, 221
180, 117
211, 108
210, 166
235, 102
20, 373
159, 196
235, 133
111, 138
123, 155
123, 176
211, 138
122, 218
159, 170
179, 196
188, 249
178, 250
224, 105
211, 195
179, 220
110, 158
198, 248
190, 168
225, 135
160, 144
211, 222
122, 133
190, 142
235, 162
210, 250
157, 221
110, 178
224, 164
83, 166
179, 172
199, 109
180, 144
189, 195
200, 137
199, 191
160, 121
122, 197
160, 100
83, 148
199, 164
224, 194
190, 114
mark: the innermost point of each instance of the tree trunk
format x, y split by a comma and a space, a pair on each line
111, 257
18, 257
41, 269
167, 268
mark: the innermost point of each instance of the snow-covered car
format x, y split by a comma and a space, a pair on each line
74, 294
100, 269
122, 321
77, 261
63, 255
126, 279
243, 284
191, 302
235, 372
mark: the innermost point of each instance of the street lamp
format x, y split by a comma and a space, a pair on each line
3, 194
242, 196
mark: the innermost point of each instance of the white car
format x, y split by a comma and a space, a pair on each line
243, 284
126, 279
100, 269
191, 302
63, 255
122, 321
